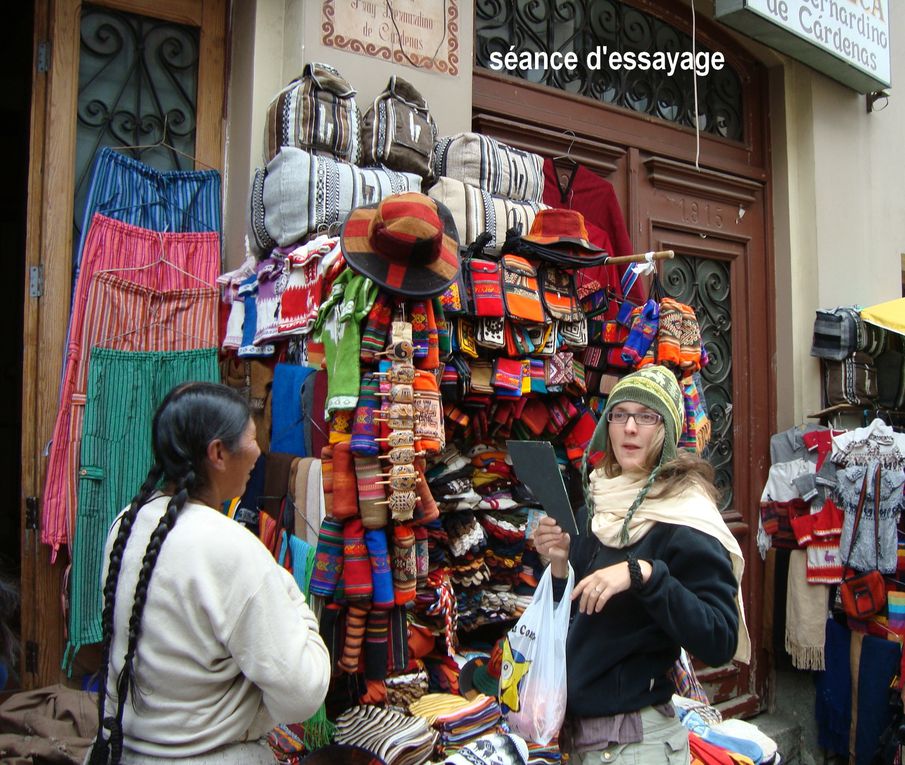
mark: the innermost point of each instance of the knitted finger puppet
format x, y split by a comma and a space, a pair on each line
371, 495
328, 560
405, 569
364, 429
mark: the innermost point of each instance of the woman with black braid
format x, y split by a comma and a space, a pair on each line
658, 570
208, 643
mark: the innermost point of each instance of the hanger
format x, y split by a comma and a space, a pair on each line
163, 143
565, 167
568, 155
161, 259
201, 341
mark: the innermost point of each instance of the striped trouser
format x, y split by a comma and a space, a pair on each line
117, 254
133, 192
124, 390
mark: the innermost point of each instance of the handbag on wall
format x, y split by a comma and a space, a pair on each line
476, 211
398, 130
317, 112
483, 162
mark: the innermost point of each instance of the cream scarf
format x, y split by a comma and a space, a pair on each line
612, 498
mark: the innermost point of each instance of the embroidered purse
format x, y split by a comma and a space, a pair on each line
485, 288
520, 290
864, 595
558, 293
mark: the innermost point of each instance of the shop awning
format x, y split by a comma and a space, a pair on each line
889, 315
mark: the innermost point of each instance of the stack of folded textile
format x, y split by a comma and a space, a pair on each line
394, 737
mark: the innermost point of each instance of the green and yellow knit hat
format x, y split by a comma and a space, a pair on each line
655, 387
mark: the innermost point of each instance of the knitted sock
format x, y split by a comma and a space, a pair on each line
429, 434
341, 425
357, 583
419, 328
381, 575
426, 510
644, 329
670, 332
327, 478
690, 350
356, 619
328, 560
404, 564
364, 429
422, 559
377, 327
371, 494
345, 491
376, 637
431, 358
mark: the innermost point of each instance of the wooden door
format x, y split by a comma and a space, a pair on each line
49, 245
715, 218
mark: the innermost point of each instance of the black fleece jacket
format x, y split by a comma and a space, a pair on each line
617, 660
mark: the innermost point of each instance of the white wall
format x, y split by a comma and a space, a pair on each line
841, 173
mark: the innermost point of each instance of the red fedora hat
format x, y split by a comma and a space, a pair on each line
560, 228
407, 243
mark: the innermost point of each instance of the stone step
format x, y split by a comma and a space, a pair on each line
787, 735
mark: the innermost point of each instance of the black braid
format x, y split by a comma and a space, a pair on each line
100, 750
125, 684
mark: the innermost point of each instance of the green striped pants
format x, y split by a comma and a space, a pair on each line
124, 390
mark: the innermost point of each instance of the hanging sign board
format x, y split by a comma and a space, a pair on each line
847, 40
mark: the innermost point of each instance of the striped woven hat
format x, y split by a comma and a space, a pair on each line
407, 243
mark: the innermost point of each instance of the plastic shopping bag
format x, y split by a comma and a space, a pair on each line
533, 672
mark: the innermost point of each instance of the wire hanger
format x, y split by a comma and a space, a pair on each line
568, 155
163, 143
201, 342
162, 259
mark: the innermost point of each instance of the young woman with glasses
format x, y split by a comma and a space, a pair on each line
657, 571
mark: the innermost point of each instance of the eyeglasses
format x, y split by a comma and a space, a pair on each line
643, 419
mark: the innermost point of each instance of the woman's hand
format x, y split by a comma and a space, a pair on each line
553, 543
599, 586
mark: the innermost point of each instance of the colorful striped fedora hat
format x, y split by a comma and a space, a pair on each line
407, 243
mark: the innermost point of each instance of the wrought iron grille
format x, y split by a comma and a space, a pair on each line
704, 285
580, 26
138, 81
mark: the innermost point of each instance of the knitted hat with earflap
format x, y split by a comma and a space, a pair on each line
656, 388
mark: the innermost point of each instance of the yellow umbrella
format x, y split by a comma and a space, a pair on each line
889, 315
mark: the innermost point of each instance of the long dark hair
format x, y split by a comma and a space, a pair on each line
190, 417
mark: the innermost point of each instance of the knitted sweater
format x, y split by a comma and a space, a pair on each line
228, 646
618, 660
